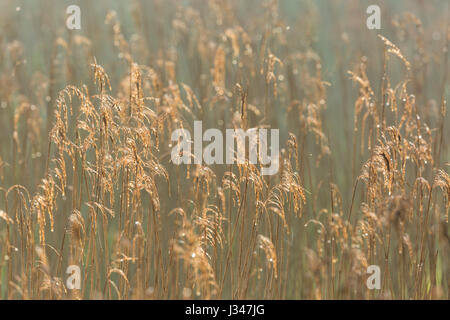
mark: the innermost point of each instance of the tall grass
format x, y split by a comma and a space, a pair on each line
85, 142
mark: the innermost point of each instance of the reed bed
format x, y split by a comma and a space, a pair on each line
86, 177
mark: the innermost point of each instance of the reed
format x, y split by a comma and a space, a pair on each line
85, 140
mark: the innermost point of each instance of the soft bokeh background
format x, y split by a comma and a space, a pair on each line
336, 30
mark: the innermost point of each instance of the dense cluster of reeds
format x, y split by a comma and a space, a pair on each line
85, 142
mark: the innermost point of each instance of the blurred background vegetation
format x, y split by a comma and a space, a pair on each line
336, 30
